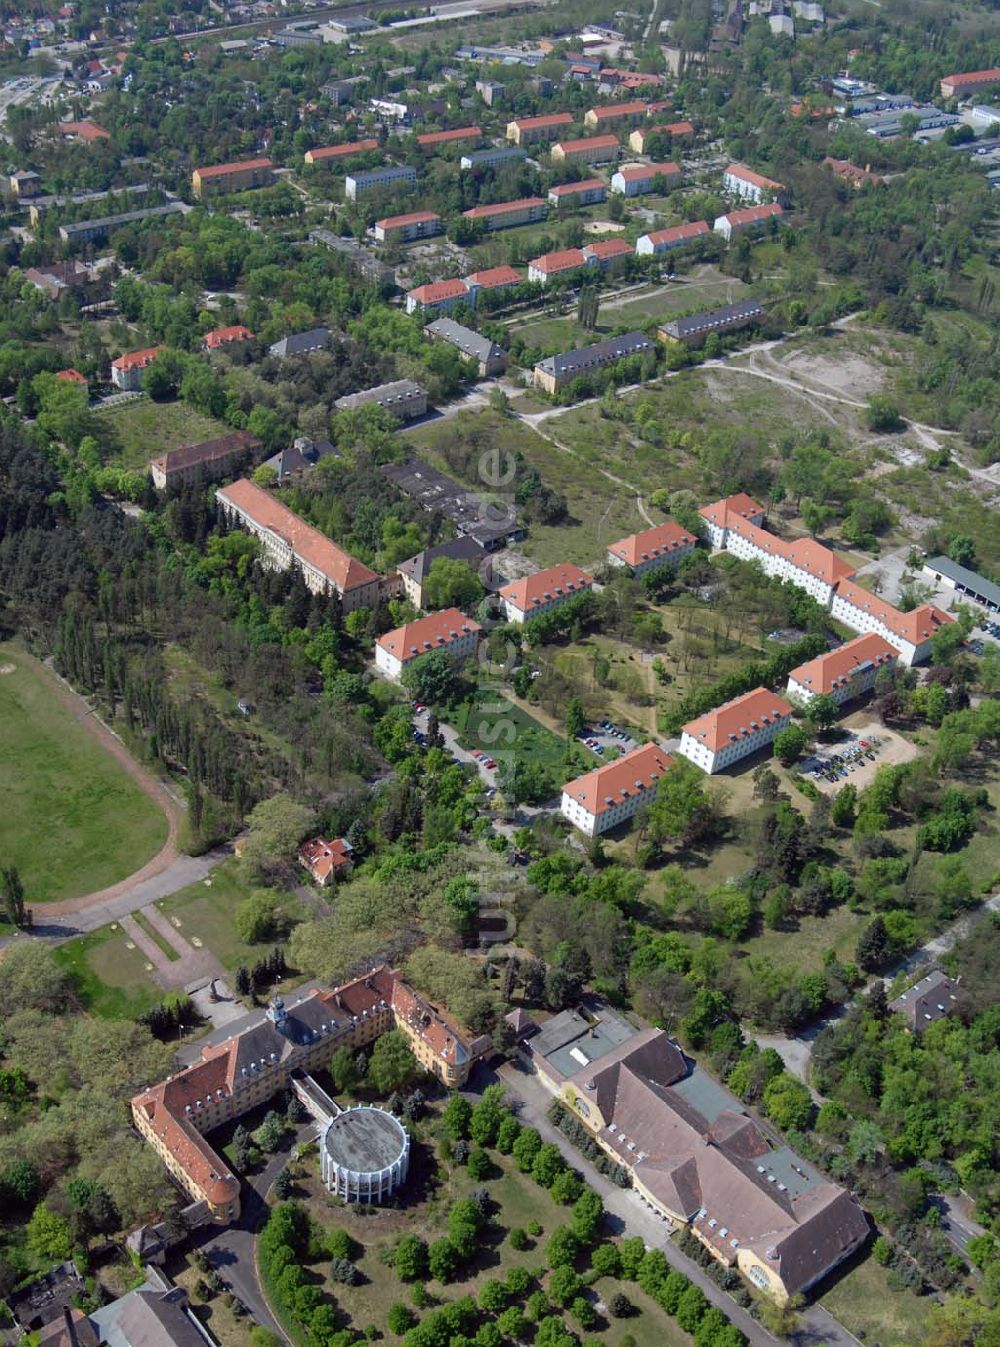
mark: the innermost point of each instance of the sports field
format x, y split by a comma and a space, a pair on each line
72, 821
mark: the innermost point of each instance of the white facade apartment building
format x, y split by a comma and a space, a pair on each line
664, 240
910, 633
750, 186
357, 185
652, 549
805, 563
722, 513
845, 673
734, 730
610, 795
524, 599
449, 630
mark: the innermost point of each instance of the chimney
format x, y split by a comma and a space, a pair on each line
71, 1333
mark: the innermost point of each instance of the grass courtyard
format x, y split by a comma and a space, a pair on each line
142, 429
110, 976
863, 1302
490, 722
73, 821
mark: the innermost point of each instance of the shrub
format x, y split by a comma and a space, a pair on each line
619, 1305
518, 1238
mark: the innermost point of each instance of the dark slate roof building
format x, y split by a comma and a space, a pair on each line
490, 357
930, 999
693, 329
558, 370
967, 582
301, 343
414, 570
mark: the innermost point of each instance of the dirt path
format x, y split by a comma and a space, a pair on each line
83, 713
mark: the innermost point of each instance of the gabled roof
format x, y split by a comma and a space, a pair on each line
137, 359
437, 631
555, 582
221, 336
237, 165
342, 570
503, 208
932, 998
614, 782
756, 179
236, 442
447, 137
828, 672
723, 513
470, 343
457, 549
614, 110
575, 188
743, 311
753, 214
401, 221
604, 250
738, 719
917, 626
540, 123
643, 172
587, 144
321, 153
437, 291
663, 541
597, 354
568, 259
493, 277
322, 858
680, 233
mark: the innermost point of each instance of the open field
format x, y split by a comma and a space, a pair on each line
204, 912
864, 1304
73, 820
490, 722
143, 429
110, 976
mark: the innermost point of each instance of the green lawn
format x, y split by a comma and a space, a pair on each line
73, 821
142, 429
205, 911
111, 980
519, 1200
492, 723
864, 1304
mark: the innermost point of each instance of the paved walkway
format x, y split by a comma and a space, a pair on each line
191, 965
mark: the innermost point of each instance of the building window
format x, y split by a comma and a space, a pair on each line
759, 1277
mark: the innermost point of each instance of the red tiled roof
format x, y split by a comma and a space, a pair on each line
554, 582
606, 249
446, 137
827, 672
441, 1036
916, 626
751, 214
637, 109
494, 276
502, 208
86, 131
572, 188
677, 233
566, 260
740, 506
437, 291
738, 719
640, 172
614, 782
323, 152
434, 632
137, 359
320, 857
587, 143
401, 221
221, 336
757, 179
973, 77
538, 123
662, 541
671, 129
344, 571
71, 376
220, 170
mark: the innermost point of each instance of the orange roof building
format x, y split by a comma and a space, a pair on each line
127, 370
734, 730
542, 269
957, 86
722, 513
325, 860
611, 794
235, 1077
417, 224
432, 139
584, 193
615, 114
494, 278
844, 673
587, 150
744, 182
86, 132
911, 633
288, 540
448, 630
526, 130
439, 296
524, 599
72, 376
748, 217
226, 336
652, 549
508, 214
665, 240
329, 154
243, 175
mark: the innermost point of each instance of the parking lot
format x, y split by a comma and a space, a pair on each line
855, 757
599, 738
